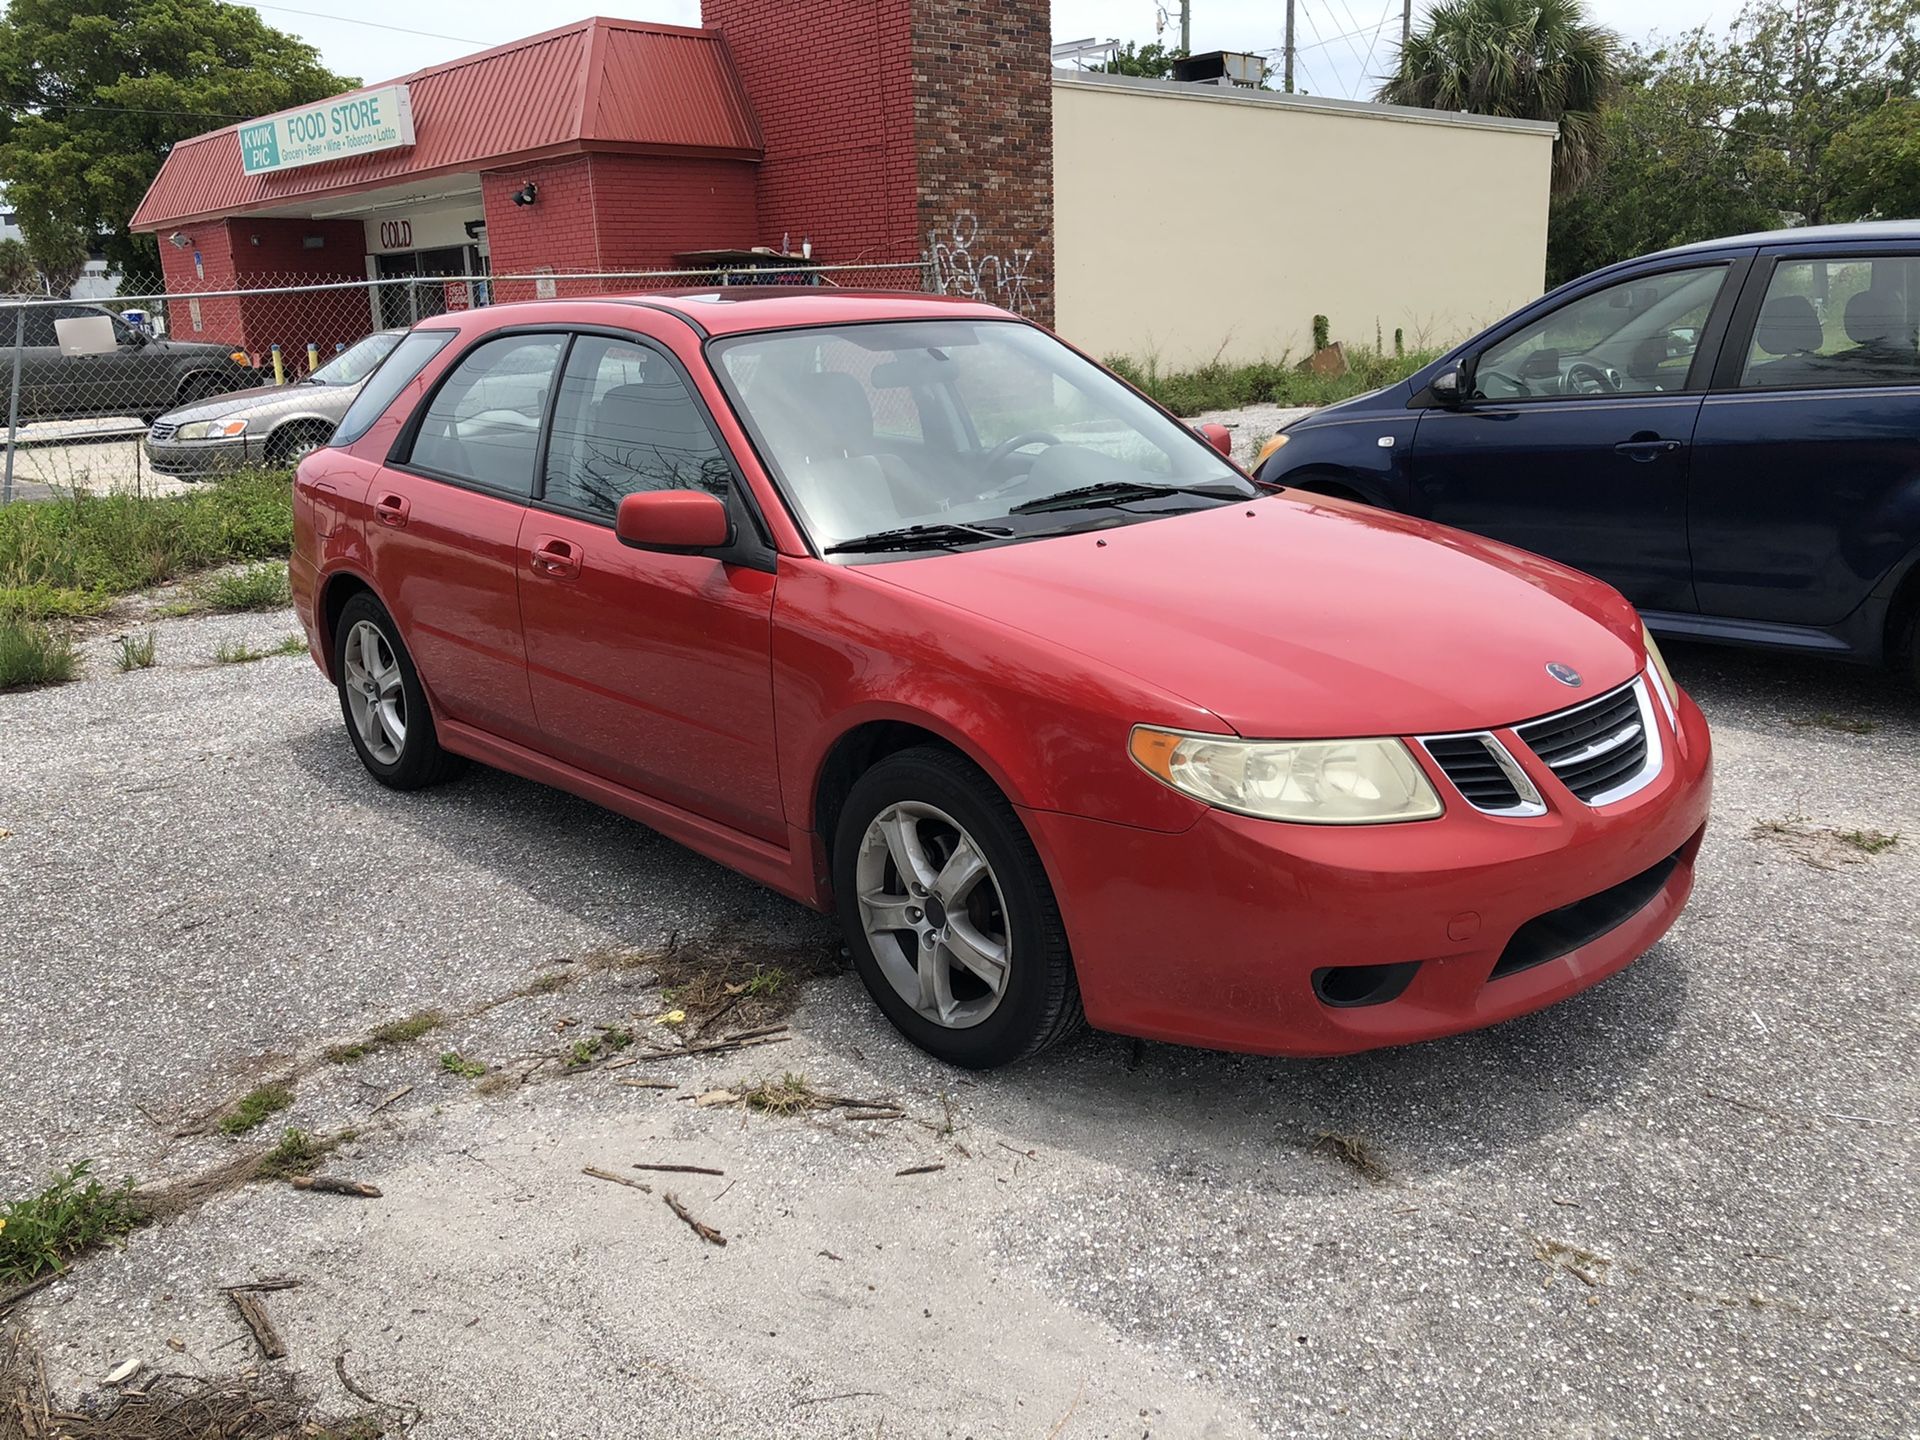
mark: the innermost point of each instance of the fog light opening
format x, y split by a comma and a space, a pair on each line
1347, 986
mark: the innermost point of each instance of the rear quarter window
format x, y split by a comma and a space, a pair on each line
395, 373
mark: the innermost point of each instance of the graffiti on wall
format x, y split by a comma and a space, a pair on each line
958, 268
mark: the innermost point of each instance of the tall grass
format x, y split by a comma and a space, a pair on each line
72, 1214
34, 655
64, 556
1220, 386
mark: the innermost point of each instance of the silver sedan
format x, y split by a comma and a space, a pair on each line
275, 425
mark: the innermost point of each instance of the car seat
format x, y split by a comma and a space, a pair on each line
1790, 331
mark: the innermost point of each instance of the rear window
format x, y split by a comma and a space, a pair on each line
397, 372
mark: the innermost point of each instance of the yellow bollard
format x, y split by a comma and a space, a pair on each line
313, 357
279, 370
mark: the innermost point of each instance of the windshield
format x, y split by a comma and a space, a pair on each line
952, 424
357, 361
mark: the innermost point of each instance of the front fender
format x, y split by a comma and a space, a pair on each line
1366, 454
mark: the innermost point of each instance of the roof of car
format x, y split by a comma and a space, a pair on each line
735, 310
1864, 231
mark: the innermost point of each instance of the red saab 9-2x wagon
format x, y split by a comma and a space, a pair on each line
902, 607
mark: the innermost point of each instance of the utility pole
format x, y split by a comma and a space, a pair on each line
1406, 22
1186, 26
1289, 75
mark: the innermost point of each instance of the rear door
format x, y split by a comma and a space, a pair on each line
650, 670
444, 529
1806, 483
1576, 440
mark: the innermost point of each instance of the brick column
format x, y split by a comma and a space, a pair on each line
903, 129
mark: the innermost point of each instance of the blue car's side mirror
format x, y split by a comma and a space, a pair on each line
1449, 387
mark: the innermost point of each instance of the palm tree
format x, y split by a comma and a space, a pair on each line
1529, 59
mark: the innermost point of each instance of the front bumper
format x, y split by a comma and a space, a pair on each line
198, 459
1213, 936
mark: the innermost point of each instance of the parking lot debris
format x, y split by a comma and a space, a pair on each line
254, 1311
1824, 847
679, 1169
400, 1094
918, 1170
597, 1173
332, 1185
650, 1084
1355, 1152
705, 1231
1584, 1265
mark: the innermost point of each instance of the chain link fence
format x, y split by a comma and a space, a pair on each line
138, 392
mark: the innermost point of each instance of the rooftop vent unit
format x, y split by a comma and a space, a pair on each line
1223, 67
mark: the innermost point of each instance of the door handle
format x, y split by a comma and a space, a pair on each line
1643, 448
392, 510
554, 557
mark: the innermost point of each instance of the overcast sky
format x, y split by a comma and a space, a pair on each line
1344, 45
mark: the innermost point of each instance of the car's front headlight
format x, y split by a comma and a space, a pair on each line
211, 430
1314, 782
1658, 662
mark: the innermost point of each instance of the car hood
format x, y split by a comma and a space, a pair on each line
329, 401
1292, 617
1345, 409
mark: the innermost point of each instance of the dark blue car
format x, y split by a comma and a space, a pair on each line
1728, 432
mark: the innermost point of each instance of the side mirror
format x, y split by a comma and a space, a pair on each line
676, 521
1218, 436
1449, 387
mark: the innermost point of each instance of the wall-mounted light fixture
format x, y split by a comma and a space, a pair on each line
179, 241
526, 194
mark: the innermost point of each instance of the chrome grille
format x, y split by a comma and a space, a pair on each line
161, 431
1484, 773
1603, 750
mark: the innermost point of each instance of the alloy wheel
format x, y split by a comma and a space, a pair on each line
376, 698
934, 914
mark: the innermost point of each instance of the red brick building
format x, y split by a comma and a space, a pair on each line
876, 130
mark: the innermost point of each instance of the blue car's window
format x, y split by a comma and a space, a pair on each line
1634, 338
1838, 322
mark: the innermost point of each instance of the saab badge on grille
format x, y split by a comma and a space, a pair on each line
1565, 674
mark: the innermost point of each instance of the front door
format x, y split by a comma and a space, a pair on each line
1808, 449
650, 670
1575, 442
445, 525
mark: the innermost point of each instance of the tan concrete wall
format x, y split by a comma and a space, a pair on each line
1191, 223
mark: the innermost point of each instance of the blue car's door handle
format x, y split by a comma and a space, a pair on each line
1646, 447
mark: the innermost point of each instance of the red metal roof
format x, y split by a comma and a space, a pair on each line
596, 85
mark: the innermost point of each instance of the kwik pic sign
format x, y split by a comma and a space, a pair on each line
332, 130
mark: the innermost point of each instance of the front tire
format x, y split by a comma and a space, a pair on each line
948, 913
382, 700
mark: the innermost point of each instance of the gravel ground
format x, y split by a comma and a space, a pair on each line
1681, 1204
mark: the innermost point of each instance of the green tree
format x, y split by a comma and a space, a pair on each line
18, 274
1528, 59
94, 92
1875, 163
1153, 62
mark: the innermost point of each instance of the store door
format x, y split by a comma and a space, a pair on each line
403, 305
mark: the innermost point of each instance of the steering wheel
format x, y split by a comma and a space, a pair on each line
1000, 453
1586, 378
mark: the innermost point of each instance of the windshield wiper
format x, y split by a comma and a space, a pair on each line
1117, 492
944, 536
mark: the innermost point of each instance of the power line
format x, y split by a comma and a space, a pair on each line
39, 105
370, 24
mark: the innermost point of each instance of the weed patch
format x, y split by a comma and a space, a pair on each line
1822, 846
382, 1037
454, 1063
253, 1108
50, 602
606, 1042
112, 544
33, 655
1355, 1153
71, 1215
258, 587
298, 1153
137, 652
1220, 386
1840, 724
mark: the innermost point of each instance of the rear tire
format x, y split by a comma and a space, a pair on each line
383, 702
196, 388
962, 945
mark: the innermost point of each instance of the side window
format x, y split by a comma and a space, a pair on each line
402, 365
39, 330
483, 424
1835, 322
1638, 337
625, 421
